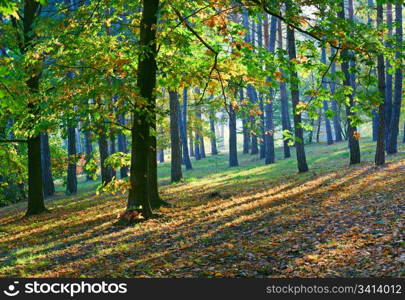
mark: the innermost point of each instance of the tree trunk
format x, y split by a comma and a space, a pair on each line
380, 149
245, 129
183, 132
176, 173
191, 138
328, 127
388, 86
351, 130
49, 187
285, 116
298, 130
270, 42
71, 182
214, 149
112, 150
233, 152
392, 145
36, 203
337, 124
88, 148
103, 149
253, 99
262, 144
146, 83
122, 147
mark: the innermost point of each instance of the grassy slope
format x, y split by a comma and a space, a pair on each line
253, 220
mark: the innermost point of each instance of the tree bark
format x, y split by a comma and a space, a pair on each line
298, 130
285, 115
88, 149
380, 149
214, 149
49, 187
328, 127
71, 182
351, 130
146, 83
392, 145
233, 152
176, 173
337, 124
183, 132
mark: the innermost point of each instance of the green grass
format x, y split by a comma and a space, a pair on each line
263, 220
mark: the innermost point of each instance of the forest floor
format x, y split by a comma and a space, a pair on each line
250, 221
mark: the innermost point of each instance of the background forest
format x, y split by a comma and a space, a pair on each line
178, 138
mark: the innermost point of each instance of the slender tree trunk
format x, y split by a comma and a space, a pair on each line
253, 99
71, 182
388, 79
298, 130
351, 130
380, 150
103, 150
270, 42
337, 124
161, 156
328, 127
214, 149
112, 149
245, 129
233, 152
262, 144
176, 173
285, 115
122, 146
49, 187
392, 146
191, 138
197, 153
183, 132
88, 148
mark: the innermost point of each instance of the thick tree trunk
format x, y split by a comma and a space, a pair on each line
285, 115
71, 182
351, 130
49, 187
328, 127
36, 203
35, 185
392, 145
380, 149
146, 82
298, 130
176, 173
233, 152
